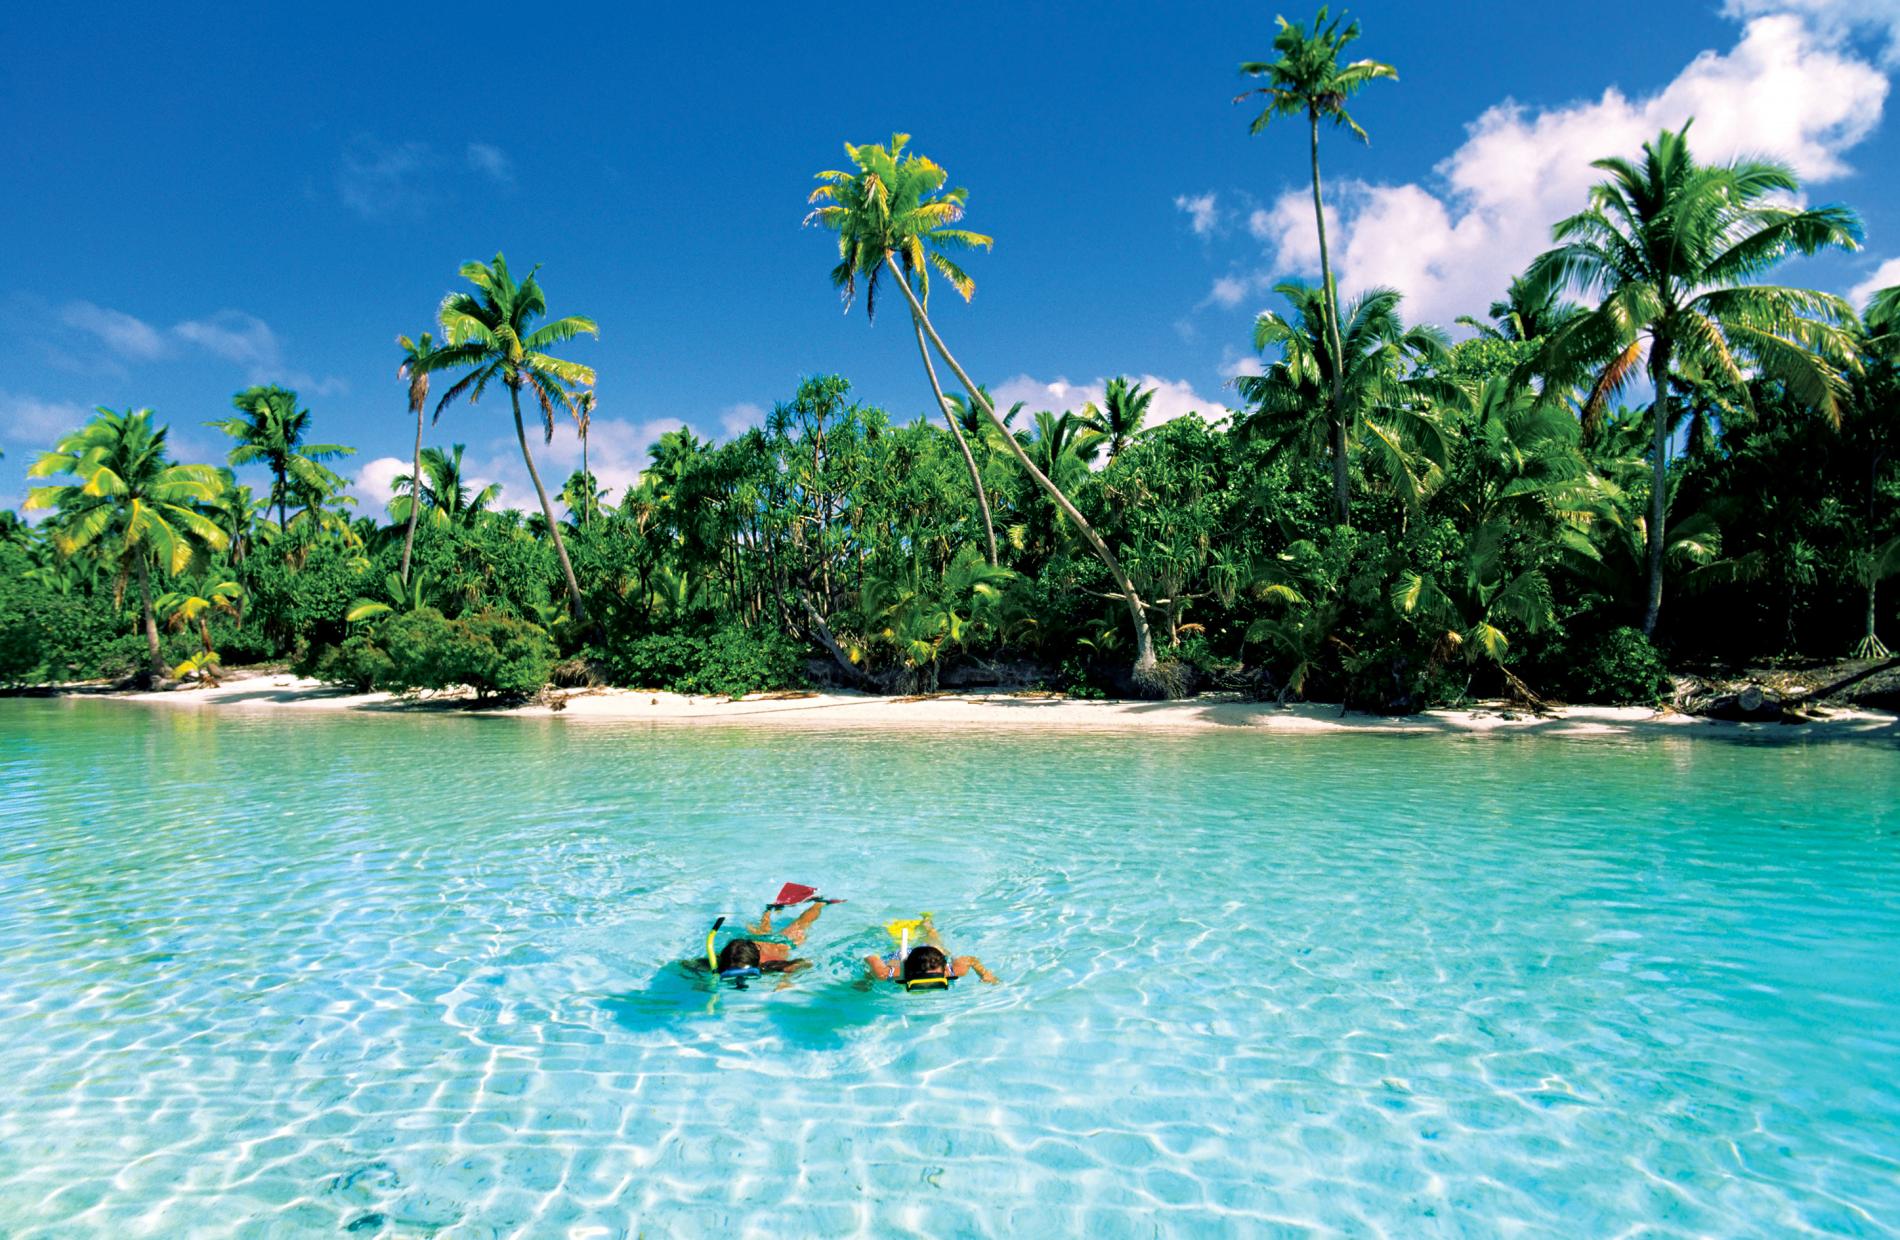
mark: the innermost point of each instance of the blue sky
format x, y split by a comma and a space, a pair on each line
261, 195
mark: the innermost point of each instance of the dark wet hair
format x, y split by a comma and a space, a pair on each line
925, 961
739, 954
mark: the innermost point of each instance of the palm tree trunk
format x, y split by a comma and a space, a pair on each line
415, 498
1658, 481
1342, 480
587, 479
157, 666
1146, 667
547, 510
963, 445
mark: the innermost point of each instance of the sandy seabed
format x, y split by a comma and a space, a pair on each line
1007, 710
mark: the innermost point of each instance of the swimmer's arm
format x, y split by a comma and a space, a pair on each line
970, 964
791, 967
879, 970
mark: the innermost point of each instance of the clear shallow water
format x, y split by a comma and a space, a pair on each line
268, 976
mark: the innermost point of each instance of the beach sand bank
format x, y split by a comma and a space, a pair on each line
1005, 710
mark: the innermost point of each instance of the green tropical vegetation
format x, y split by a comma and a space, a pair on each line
1644, 455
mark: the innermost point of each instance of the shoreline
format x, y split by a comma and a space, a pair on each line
1001, 709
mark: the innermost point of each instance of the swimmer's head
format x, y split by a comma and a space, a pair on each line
739, 954
925, 961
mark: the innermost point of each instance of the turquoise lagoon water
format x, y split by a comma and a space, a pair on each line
358, 975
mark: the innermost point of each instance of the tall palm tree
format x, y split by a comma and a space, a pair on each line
416, 355
491, 335
584, 418
128, 505
1308, 80
1124, 408
893, 216
913, 187
1384, 402
581, 494
1672, 245
270, 430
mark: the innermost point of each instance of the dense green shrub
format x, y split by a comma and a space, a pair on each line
19, 628
1398, 677
359, 663
289, 603
730, 661
494, 654
1618, 668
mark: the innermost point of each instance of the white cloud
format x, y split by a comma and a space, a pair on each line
1229, 290
1234, 363
377, 179
1835, 20
235, 337
736, 420
229, 335
28, 421
1785, 91
1884, 276
1172, 399
492, 162
248, 341
122, 333
1203, 212
616, 454
375, 483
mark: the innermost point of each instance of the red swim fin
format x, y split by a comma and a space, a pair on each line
795, 893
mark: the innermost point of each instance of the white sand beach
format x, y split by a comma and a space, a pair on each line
281, 691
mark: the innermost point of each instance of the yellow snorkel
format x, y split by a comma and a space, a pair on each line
712, 957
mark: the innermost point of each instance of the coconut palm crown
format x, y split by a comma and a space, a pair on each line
128, 505
491, 335
1673, 247
893, 203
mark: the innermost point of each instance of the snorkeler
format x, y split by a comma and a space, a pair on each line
926, 966
759, 949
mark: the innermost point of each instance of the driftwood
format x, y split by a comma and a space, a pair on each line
1758, 703
1846, 682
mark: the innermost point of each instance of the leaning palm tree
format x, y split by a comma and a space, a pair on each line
1671, 246
1308, 80
490, 334
1124, 408
907, 181
129, 506
415, 370
270, 430
1385, 395
893, 216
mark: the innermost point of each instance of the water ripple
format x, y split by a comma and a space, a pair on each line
415, 977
